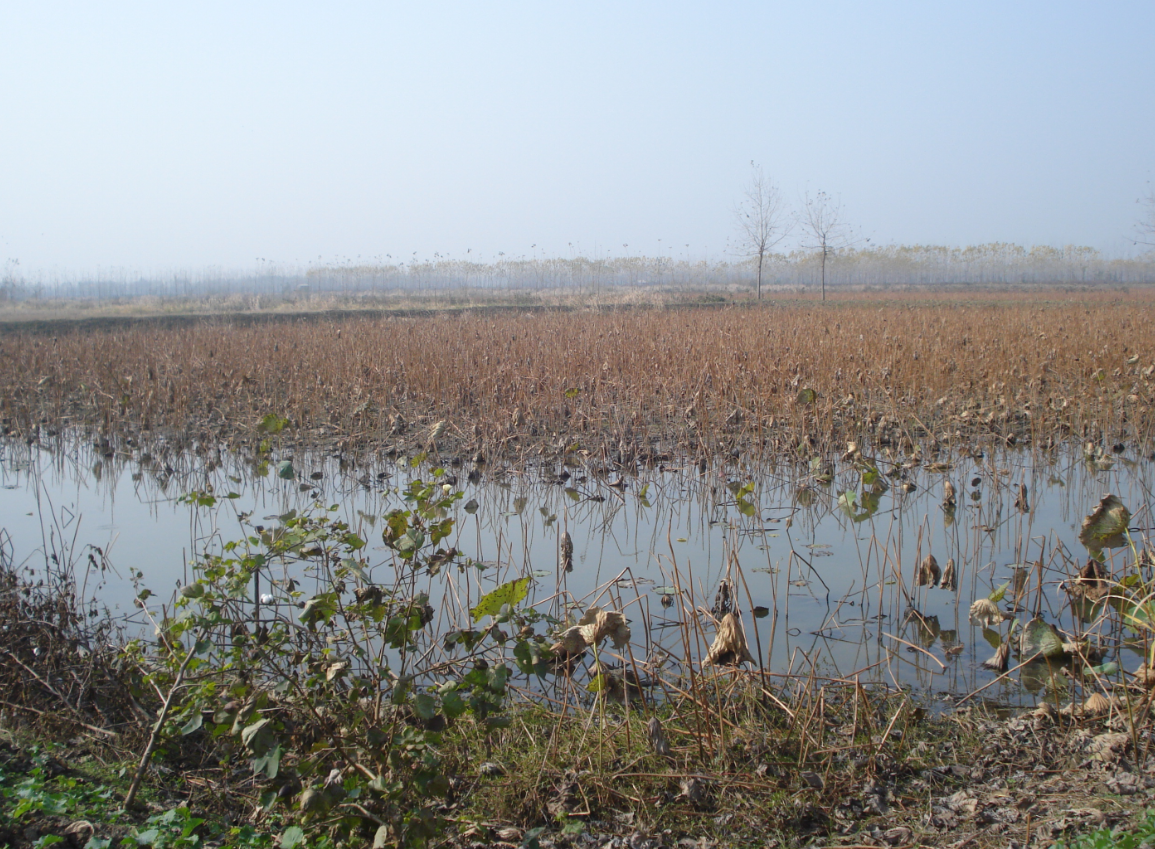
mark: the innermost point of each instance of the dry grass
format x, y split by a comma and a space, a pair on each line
626, 385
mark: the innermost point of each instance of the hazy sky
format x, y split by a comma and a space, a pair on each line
154, 136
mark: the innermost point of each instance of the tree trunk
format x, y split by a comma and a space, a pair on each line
760, 275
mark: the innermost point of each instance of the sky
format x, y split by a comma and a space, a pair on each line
163, 137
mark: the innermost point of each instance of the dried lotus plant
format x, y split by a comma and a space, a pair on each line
986, 613
729, 646
948, 495
1097, 704
594, 627
928, 572
1093, 581
1022, 502
949, 580
1145, 676
1000, 660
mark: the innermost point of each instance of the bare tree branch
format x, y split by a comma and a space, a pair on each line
762, 219
1145, 227
824, 228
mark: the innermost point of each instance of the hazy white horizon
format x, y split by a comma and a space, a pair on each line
150, 137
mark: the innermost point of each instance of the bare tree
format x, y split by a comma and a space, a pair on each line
824, 228
762, 219
1145, 227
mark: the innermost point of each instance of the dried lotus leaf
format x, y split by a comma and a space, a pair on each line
928, 572
729, 646
1106, 527
1145, 676
597, 624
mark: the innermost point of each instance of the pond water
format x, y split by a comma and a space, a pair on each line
825, 581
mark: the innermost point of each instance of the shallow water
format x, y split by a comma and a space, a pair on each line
838, 592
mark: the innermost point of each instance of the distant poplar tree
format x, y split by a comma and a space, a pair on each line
824, 228
762, 218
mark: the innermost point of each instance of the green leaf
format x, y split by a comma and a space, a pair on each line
511, 593
1108, 668
194, 723
272, 423
806, 396
292, 836
998, 594
285, 470
746, 508
250, 732
572, 392
425, 706
270, 762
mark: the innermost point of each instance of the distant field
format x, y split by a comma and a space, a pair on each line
630, 381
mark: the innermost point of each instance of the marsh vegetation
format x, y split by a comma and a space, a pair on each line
390, 626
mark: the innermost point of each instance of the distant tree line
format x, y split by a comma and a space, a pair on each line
996, 264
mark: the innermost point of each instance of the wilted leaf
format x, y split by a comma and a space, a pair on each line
1040, 638
806, 396
1106, 527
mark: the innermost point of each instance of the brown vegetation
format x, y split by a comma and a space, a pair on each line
626, 385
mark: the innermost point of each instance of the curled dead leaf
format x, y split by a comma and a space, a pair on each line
949, 580
928, 572
729, 646
1000, 660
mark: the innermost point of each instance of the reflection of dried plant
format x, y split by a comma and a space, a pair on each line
928, 572
566, 551
729, 647
949, 580
723, 599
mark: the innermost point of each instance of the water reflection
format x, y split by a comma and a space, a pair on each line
824, 556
